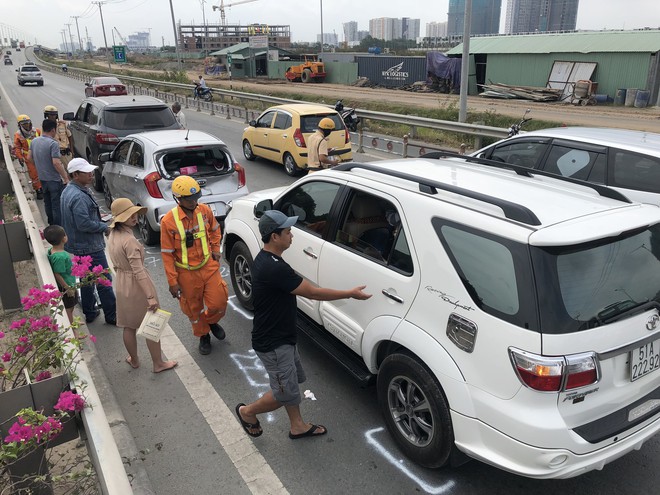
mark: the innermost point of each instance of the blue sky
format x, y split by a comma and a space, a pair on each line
46, 19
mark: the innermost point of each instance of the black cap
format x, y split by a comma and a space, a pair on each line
273, 220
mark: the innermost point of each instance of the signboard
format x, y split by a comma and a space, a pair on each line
258, 41
229, 59
120, 54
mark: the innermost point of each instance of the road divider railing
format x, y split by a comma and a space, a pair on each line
234, 104
101, 446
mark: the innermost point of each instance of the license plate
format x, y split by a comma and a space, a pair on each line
112, 88
644, 360
218, 209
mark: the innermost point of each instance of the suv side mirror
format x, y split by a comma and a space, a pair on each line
87, 84
253, 123
69, 116
105, 157
262, 206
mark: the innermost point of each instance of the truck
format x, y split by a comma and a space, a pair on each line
310, 70
21, 44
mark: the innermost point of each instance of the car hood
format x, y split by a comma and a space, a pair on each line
257, 196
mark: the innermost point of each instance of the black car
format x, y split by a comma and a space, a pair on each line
100, 123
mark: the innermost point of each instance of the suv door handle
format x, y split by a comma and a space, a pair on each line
392, 296
311, 253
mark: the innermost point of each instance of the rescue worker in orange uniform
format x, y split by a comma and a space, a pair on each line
22, 139
190, 246
62, 134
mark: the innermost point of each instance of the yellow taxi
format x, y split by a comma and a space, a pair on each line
280, 134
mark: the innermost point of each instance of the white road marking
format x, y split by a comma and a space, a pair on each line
239, 309
401, 465
9, 102
251, 365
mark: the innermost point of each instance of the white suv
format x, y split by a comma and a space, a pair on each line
514, 317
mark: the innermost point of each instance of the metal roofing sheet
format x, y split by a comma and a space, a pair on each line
581, 42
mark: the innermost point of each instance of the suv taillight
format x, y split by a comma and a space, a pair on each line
241, 175
106, 138
347, 138
556, 373
299, 139
150, 182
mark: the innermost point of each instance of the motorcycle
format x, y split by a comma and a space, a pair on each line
349, 115
65, 68
204, 93
515, 128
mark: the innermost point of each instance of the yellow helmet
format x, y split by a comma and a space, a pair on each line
326, 123
23, 118
185, 186
50, 109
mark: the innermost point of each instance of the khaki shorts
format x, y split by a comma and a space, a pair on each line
285, 372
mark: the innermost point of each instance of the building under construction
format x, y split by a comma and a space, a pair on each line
212, 37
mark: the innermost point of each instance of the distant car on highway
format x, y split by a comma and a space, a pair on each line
29, 73
143, 166
100, 123
105, 86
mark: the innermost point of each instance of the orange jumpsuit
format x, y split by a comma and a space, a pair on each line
21, 148
199, 287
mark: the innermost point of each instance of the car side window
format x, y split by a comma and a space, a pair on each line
82, 111
570, 162
282, 121
266, 120
311, 202
120, 154
136, 158
526, 153
634, 171
599, 170
371, 226
93, 115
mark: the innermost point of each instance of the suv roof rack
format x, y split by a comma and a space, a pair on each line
529, 172
512, 211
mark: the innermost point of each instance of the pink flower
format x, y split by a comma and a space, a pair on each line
44, 375
92, 338
2, 335
6, 357
105, 282
98, 270
70, 401
17, 324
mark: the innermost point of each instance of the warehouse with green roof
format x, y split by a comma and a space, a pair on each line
613, 59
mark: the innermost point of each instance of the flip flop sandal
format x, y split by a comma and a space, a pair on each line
248, 426
309, 433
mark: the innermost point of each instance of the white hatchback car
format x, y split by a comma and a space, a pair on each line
515, 315
143, 166
628, 161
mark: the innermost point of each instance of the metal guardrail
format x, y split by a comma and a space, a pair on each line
101, 445
242, 111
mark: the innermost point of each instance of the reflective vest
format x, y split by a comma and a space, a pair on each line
197, 235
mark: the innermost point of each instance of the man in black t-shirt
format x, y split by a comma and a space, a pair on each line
274, 335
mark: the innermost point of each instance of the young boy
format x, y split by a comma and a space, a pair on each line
60, 262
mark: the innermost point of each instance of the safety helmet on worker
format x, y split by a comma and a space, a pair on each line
327, 123
186, 187
50, 110
23, 119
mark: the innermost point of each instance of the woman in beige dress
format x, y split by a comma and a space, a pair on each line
135, 291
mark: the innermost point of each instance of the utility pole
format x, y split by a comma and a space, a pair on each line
321, 26
66, 47
70, 39
89, 44
105, 39
78, 30
206, 33
176, 38
465, 62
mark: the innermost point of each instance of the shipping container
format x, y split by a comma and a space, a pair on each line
392, 71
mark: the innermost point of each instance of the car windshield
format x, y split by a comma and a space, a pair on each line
197, 161
582, 287
30, 68
309, 123
139, 118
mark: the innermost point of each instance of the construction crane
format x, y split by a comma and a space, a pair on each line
121, 38
222, 6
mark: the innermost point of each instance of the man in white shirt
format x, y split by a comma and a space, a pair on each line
179, 115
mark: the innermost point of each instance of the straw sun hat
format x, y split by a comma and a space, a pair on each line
122, 209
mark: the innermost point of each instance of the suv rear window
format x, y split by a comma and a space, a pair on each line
30, 68
139, 118
197, 162
582, 287
309, 123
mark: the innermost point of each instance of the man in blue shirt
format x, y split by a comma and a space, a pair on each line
85, 230
45, 153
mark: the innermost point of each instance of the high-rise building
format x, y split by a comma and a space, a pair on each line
530, 16
388, 28
350, 31
436, 29
329, 39
485, 17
